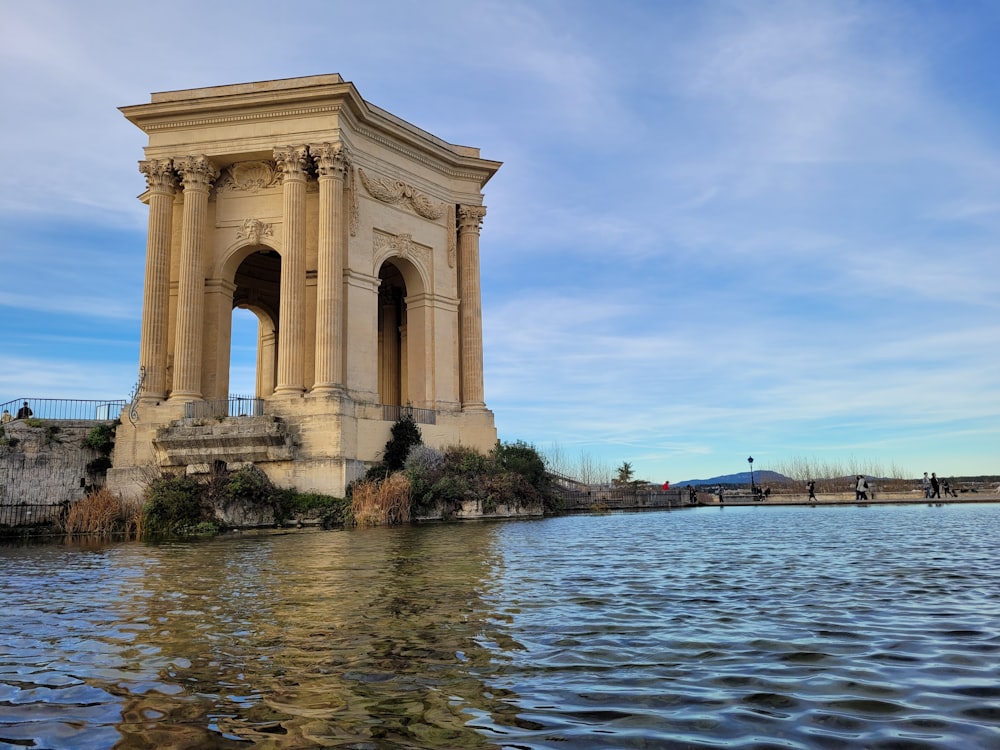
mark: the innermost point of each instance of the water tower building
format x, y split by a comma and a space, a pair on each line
353, 238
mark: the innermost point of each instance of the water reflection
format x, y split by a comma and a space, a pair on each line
755, 627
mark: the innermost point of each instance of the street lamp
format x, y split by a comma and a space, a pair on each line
750, 461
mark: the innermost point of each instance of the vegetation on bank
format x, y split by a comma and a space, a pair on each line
411, 481
416, 481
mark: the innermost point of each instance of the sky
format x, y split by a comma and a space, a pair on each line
722, 230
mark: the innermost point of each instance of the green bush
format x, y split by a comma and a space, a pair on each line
249, 486
522, 459
101, 438
176, 505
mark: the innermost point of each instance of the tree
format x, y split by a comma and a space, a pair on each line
626, 475
405, 435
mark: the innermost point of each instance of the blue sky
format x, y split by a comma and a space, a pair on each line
722, 229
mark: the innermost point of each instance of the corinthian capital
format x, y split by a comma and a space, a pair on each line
160, 176
196, 172
332, 159
293, 161
470, 218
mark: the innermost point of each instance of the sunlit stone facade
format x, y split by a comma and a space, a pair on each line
351, 235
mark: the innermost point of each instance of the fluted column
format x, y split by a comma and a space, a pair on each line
293, 161
162, 184
470, 312
197, 174
331, 164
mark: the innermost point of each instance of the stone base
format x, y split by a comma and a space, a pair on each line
311, 444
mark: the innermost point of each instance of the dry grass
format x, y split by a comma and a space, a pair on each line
382, 503
105, 513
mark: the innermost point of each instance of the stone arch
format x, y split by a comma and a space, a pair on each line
255, 273
402, 331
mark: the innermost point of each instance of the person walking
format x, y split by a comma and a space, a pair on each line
811, 485
861, 489
935, 486
927, 486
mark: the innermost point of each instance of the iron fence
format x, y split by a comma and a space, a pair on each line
26, 514
234, 406
393, 412
76, 409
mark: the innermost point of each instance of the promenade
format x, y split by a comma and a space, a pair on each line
848, 498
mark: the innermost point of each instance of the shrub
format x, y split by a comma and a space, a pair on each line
175, 505
423, 468
336, 513
405, 434
101, 438
251, 488
522, 459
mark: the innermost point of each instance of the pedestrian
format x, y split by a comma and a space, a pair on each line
811, 485
935, 486
24, 412
6, 417
927, 486
692, 495
861, 489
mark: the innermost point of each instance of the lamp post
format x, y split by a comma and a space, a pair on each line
750, 461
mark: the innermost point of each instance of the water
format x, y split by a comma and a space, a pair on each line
830, 627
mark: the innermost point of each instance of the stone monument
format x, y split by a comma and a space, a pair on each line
351, 235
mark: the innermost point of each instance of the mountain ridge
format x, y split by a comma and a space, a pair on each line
743, 477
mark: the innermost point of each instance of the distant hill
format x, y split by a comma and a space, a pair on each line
759, 477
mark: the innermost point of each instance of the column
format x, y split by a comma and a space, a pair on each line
331, 164
470, 311
162, 184
293, 162
197, 174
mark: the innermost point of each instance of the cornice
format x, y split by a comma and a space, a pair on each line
196, 122
308, 96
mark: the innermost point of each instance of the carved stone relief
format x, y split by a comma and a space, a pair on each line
397, 192
253, 230
354, 212
250, 176
401, 245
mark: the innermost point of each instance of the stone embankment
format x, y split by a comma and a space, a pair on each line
43, 468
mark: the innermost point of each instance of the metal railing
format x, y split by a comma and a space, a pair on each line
26, 514
62, 408
393, 412
234, 406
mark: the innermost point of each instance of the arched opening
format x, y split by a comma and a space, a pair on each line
243, 353
254, 347
392, 353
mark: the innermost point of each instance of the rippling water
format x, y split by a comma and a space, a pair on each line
831, 627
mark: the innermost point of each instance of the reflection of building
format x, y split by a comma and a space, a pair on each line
351, 235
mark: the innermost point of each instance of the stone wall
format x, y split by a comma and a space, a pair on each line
44, 465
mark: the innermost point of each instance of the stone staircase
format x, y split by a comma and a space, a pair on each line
233, 440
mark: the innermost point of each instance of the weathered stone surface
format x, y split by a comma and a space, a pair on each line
45, 465
352, 235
